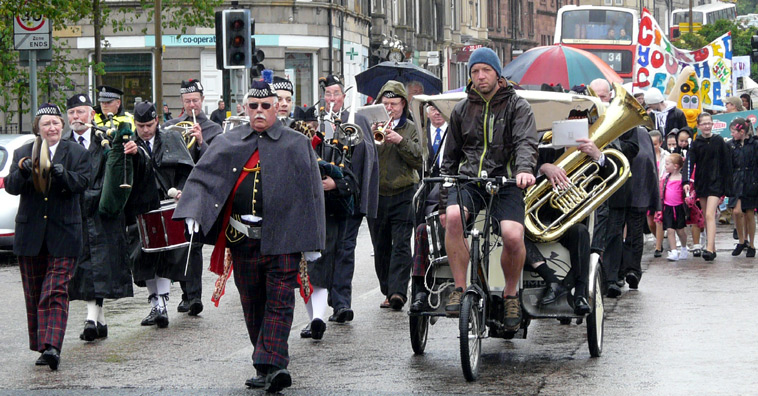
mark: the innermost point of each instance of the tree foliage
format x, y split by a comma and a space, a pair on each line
54, 80
740, 39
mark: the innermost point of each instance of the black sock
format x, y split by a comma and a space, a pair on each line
547, 273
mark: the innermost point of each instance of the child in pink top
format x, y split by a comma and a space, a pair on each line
674, 208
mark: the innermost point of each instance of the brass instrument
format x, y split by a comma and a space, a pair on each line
185, 129
551, 211
380, 132
41, 165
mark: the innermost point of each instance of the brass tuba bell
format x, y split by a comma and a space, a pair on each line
41, 165
550, 212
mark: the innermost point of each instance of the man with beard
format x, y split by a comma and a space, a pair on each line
204, 131
256, 189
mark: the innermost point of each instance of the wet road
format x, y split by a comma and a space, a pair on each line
690, 329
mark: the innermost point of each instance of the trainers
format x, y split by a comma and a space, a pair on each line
673, 255
512, 320
697, 250
750, 252
658, 253
683, 253
453, 307
738, 249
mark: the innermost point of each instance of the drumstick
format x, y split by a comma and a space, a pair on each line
189, 252
172, 192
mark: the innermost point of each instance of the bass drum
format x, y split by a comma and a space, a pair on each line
158, 232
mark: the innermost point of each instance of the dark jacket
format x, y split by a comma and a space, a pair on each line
644, 181
365, 166
711, 160
293, 213
744, 166
674, 119
499, 136
218, 116
55, 219
398, 162
629, 145
102, 269
209, 130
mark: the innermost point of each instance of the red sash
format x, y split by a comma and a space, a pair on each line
220, 264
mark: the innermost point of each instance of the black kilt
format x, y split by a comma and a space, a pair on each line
674, 216
321, 271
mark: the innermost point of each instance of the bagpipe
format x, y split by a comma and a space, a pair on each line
119, 170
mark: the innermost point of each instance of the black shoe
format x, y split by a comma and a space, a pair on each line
453, 306
342, 315
581, 306
90, 331
738, 249
658, 253
41, 360
161, 319
420, 302
397, 301
317, 329
697, 252
553, 292
708, 256
259, 381
633, 280
183, 306
613, 290
150, 318
750, 252
306, 332
277, 380
620, 282
195, 306
102, 330
52, 358
512, 321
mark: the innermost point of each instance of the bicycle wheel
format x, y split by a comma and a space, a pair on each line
596, 319
469, 326
419, 332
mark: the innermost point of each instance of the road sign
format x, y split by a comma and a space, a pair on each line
36, 41
44, 57
26, 24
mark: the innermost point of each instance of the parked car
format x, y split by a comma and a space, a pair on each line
9, 203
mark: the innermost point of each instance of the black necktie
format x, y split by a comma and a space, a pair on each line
149, 150
81, 141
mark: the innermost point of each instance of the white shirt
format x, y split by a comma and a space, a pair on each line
87, 135
433, 135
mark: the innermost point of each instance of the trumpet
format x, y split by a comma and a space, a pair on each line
381, 132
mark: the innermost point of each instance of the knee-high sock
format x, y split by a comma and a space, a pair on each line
100, 315
547, 273
92, 310
163, 288
152, 291
318, 303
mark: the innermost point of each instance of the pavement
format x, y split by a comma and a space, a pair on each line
689, 329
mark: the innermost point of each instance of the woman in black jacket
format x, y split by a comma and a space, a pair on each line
710, 156
48, 232
744, 199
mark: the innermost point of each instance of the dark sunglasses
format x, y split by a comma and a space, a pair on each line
264, 105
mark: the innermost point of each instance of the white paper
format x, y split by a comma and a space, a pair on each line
566, 132
374, 113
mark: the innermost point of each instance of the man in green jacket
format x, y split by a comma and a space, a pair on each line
399, 157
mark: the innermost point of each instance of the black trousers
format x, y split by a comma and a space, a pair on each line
634, 242
577, 241
341, 292
193, 287
391, 236
614, 243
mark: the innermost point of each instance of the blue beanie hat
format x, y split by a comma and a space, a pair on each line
487, 56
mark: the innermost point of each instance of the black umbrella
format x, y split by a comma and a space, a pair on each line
371, 80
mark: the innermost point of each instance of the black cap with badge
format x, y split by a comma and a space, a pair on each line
107, 94
331, 79
191, 86
282, 84
145, 112
261, 89
78, 100
48, 109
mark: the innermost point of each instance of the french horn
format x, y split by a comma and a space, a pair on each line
185, 129
550, 212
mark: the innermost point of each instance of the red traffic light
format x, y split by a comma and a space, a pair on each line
237, 24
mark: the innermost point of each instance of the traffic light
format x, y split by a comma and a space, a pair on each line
257, 56
754, 46
233, 39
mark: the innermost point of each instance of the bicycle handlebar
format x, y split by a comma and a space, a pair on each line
499, 180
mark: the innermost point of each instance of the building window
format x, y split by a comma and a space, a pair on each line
478, 14
531, 18
131, 73
299, 66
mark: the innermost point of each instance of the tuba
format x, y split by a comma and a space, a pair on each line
41, 165
550, 212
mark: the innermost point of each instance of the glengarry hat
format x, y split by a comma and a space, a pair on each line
261, 89
78, 100
48, 109
145, 112
191, 86
283, 84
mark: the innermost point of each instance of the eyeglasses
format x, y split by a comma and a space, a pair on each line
264, 105
706, 124
330, 95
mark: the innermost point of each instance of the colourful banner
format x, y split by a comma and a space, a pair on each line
658, 63
721, 121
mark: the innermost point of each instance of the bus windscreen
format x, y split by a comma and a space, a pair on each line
597, 26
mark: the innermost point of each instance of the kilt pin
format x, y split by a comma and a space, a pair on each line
45, 280
266, 286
